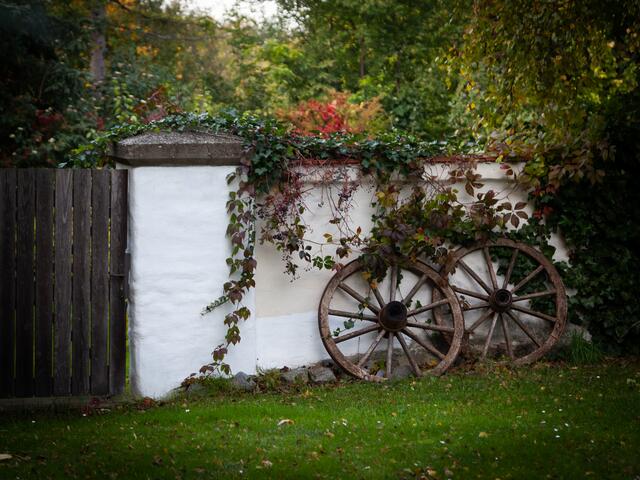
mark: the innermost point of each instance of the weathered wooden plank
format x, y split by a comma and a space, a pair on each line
57, 251
7, 279
45, 183
63, 262
100, 282
81, 333
118, 245
25, 286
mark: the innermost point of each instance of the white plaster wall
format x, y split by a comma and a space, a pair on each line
287, 310
177, 223
178, 249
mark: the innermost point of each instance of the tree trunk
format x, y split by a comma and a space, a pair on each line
363, 71
99, 43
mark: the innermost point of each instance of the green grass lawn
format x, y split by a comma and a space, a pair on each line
546, 421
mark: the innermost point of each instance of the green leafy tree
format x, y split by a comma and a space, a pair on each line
386, 49
540, 79
42, 85
558, 83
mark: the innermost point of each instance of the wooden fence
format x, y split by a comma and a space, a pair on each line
62, 274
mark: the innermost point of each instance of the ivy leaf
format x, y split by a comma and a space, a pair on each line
469, 188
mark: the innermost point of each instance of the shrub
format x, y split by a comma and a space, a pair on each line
335, 114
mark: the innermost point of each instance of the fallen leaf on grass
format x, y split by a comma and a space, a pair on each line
146, 403
285, 421
483, 435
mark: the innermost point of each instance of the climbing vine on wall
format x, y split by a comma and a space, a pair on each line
417, 214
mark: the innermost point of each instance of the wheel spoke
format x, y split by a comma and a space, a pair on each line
470, 293
430, 326
394, 283
476, 306
371, 348
361, 343
477, 323
528, 296
360, 298
423, 343
507, 336
407, 352
492, 273
389, 356
512, 263
433, 305
376, 293
526, 279
360, 316
415, 289
488, 340
355, 334
517, 321
475, 276
533, 313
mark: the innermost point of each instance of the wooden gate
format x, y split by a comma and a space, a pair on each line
62, 280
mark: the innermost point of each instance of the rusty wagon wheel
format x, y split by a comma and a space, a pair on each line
512, 284
355, 316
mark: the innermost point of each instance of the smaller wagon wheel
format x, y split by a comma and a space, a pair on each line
512, 298
355, 316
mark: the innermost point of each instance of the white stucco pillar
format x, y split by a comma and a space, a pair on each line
177, 245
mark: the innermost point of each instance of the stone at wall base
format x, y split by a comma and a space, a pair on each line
195, 389
242, 381
297, 375
401, 372
320, 375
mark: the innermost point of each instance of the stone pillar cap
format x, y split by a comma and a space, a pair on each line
179, 149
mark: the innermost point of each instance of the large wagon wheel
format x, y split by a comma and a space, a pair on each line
355, 316
512, 284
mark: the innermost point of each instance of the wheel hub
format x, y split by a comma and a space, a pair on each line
393, 316
501, 300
